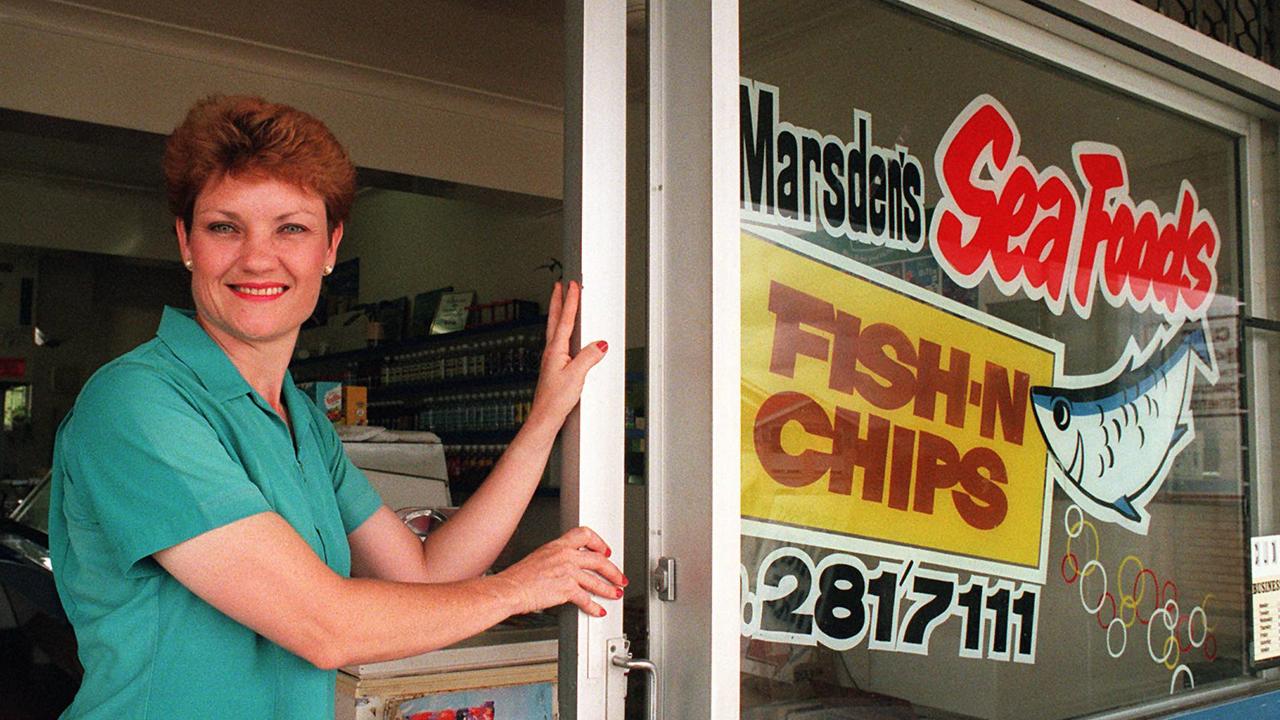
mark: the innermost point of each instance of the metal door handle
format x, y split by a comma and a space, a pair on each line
629, 663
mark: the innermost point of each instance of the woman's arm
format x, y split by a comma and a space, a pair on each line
468, 543
262, 574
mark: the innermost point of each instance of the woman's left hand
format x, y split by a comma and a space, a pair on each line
561, 376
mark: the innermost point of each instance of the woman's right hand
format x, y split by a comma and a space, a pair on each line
572, 568
561, 376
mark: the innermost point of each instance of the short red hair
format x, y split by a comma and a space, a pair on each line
241, 135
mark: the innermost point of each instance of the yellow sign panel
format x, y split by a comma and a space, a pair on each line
873, 411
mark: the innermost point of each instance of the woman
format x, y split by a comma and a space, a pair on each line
214, 548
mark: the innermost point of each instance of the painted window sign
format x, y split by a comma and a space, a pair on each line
1029, 231
839, 603
1114, 435
797, 178
914, 439
851, 372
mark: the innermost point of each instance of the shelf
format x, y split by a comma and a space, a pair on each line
477, 437
509, 381
380, 352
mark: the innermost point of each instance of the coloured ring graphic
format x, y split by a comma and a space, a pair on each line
1124, 637
1084, 573
1173, 681
1169, 653
1075, 566
1075, 530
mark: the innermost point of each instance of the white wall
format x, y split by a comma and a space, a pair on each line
70, 215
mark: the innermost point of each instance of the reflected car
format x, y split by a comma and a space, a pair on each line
37, 644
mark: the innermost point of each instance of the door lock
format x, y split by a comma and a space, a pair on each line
664, 579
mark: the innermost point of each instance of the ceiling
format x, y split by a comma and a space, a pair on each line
513, 48
510, 48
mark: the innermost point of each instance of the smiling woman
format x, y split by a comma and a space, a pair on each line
205, 523
260, 193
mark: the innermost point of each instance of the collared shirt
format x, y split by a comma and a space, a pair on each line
164, 443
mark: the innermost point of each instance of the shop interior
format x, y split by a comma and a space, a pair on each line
88, 260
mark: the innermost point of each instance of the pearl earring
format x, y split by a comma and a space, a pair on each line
189, 263
328, 269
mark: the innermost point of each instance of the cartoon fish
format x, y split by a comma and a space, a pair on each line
1115, 434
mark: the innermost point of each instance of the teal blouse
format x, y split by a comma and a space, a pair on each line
164, 443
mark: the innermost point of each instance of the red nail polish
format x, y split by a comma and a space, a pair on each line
625, 581
619, 593
608, 552
604, 346
602, 613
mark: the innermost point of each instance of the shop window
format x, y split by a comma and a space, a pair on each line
992, 419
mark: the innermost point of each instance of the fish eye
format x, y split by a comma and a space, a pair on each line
1061, 413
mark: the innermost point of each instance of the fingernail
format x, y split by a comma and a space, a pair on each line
604, 346
625, 581
618, 593
608, 552
602, 613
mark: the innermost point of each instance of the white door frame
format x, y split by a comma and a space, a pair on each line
694, 366
592, 473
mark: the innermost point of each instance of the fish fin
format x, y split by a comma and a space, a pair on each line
1199, 344
1125, 508
1197, 341
1178, 431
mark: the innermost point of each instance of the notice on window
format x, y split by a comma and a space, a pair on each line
1266, 597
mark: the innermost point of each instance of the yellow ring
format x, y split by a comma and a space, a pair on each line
1177, 652
1205, 607
1126, 604
1142, 589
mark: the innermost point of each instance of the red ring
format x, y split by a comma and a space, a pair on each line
1155, 582
1063, 568
1114, 611
1181, 647
1204, 647
1138, 578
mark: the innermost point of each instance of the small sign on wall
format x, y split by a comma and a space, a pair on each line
13, 368
1265, 552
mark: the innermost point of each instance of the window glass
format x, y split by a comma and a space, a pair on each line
991, 402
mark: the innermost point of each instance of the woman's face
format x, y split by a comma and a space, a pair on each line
258, 248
